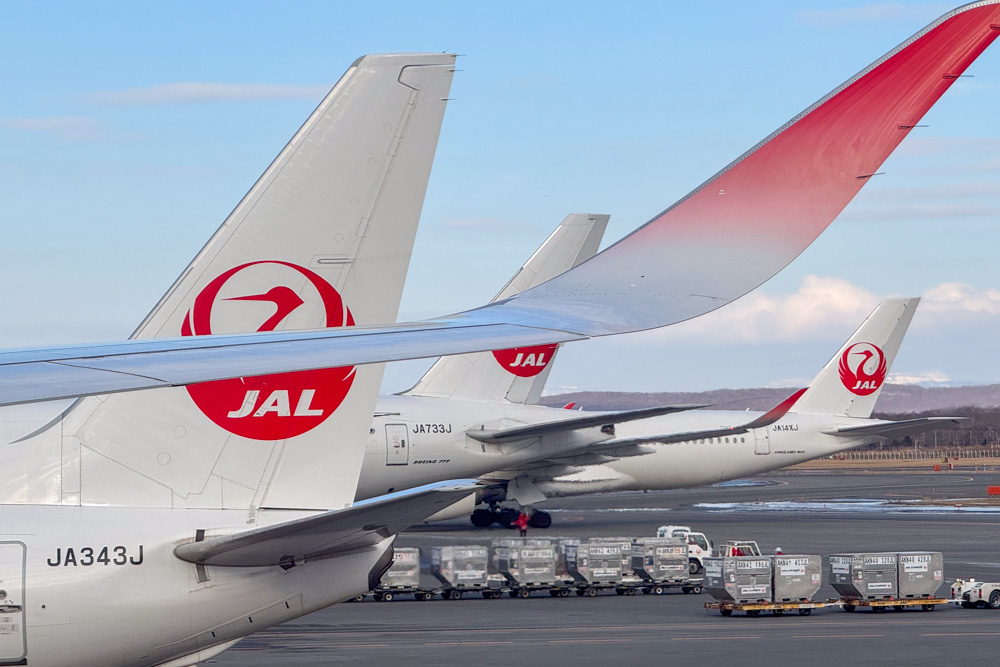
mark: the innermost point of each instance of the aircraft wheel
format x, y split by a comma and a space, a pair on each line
483, 518
505, 517
540, 520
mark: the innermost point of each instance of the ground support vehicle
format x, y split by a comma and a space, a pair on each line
973, 594
776, 608
853, 604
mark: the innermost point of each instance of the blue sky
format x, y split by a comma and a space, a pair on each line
130, 130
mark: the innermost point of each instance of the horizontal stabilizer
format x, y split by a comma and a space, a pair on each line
896, 429
319, 536
564, 425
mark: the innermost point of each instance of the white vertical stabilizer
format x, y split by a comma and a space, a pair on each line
323, 239
851, 382
517, 375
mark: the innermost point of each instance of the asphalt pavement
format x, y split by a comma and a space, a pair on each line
800, 512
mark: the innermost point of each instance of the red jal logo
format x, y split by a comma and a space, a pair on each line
269, 407
525, 362
862, 368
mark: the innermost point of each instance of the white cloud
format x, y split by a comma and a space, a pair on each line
953, 299
828, 309
69, 128
875, 13
821, 304
186, 93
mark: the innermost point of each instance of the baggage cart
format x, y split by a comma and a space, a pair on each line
593, 566
661, 563
402, 577
463, 570
528, 565
776, 608
926, 604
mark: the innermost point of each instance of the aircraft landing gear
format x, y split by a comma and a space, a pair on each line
540, 520
483, 518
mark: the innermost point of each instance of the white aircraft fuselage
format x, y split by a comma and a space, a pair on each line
102, 586
438, 446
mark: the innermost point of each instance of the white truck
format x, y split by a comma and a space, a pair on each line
974, 593
699, 546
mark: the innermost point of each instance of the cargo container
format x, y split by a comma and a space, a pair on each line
403, 576
739, 579
527, 565
864, 576
593, 565
461, 569
660, 560
796, 578
920, 573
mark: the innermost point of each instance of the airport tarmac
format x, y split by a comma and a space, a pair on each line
800, 512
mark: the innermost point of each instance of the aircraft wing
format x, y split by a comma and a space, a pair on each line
634, 446
722, 240
896, 429
366, 523
574, 424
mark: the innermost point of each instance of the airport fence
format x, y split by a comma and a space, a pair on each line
919, 454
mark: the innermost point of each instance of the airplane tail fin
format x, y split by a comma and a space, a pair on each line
852, 380
322, 239
516, 375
